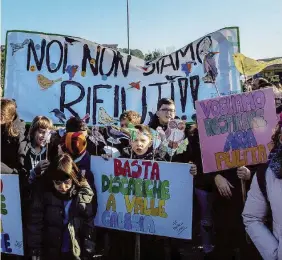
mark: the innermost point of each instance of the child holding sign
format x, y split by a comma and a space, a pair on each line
33, 150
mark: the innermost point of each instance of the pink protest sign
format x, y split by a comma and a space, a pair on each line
236, 130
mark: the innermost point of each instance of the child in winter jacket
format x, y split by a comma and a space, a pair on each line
33, 159
60, 221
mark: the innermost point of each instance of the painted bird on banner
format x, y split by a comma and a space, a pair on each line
250, 67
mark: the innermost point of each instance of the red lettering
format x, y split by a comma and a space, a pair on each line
126, 169
136, 174
118, 169
155, 174
146, 164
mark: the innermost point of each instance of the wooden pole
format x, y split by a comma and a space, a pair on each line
137, 247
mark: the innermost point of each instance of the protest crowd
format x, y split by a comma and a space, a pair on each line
59, 198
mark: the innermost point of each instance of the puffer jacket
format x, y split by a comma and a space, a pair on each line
268, 243
45, 226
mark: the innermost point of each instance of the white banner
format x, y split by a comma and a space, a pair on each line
146, 197
11, 221
73, 76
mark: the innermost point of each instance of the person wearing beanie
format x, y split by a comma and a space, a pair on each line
76, 124
60, 222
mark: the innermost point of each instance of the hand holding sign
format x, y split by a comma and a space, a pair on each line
193, 170
244, 173
41, 167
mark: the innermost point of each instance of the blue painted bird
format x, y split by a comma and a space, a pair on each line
115, 134
71, 70
210, 68
60, 115
17, 46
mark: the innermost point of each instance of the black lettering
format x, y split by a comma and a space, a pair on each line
153, 67
144, 105
67, 106
159, 88
119, 60
172, 91
48, 56
194, 85
88, 103
116, 101
183, 54
38, 62
183, 92
96, 100
101, 63
123, 100
171, 63
65, 62
87, 57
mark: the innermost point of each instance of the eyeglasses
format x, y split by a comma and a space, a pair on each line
168, 110
68, 181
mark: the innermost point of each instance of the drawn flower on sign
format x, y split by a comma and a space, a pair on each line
32, 68
92, 61
83, 73
104, 77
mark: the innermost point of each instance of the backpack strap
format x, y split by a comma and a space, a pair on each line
261, 177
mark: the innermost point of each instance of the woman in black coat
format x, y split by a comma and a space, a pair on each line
12, 133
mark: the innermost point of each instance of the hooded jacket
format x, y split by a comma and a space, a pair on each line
29, 158
45, 225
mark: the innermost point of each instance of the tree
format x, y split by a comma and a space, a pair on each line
154, 55
134, 52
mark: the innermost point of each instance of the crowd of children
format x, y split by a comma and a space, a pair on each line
59, 199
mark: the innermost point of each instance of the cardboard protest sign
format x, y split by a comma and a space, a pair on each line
146, 197
236, 130
11, 217
70, 76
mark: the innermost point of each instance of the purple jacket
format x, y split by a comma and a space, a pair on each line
268, 243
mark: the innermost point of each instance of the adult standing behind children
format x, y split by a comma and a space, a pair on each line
12, 133
166, 112
265, 197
